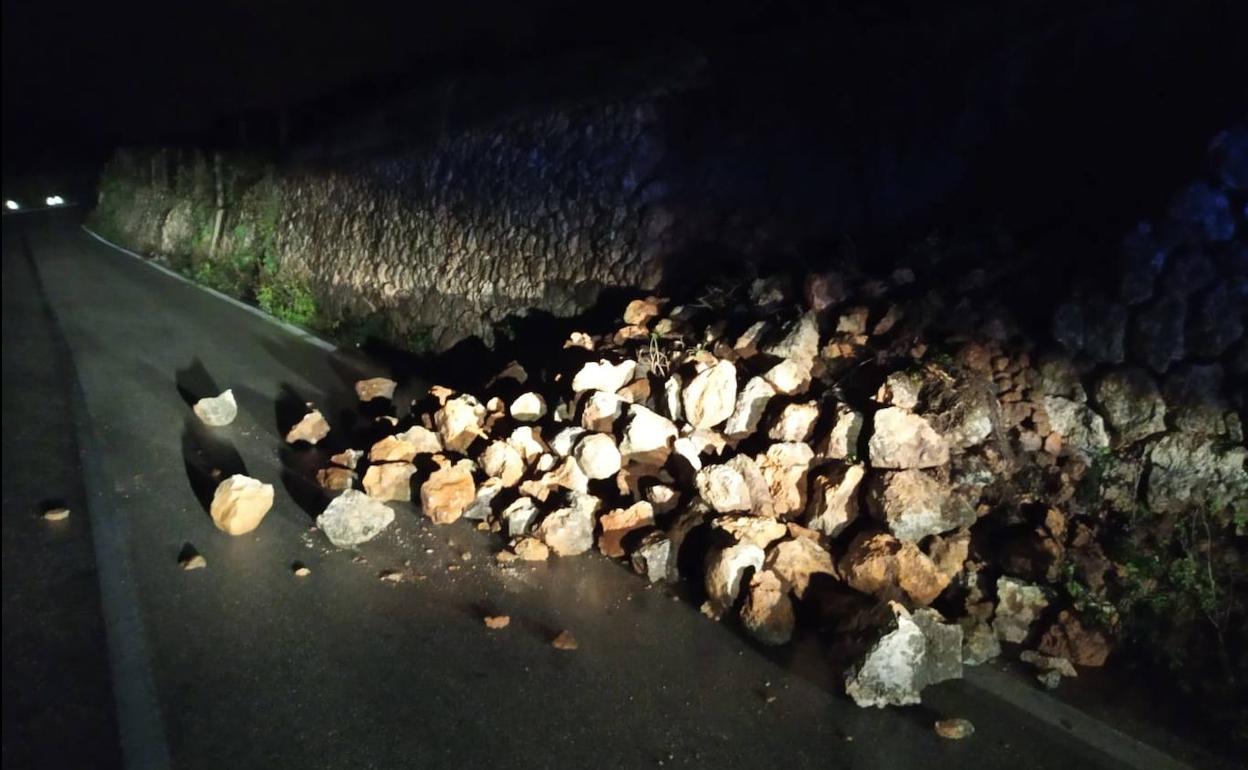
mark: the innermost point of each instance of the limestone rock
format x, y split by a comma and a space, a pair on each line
570, 530
790, 377
905, 658
842, 443
640, 311
654, 559
619, 522
564, 441
459, 422
725, 568
392, 449
883, 566
389, 481
1082, 430
751, 402
423, 440
482, 508
648, 437
768, 611
795, 422
448, 492
904, 440
1018, 606
834, 499
901, 389
601, 411
672, 388
519, 516
709, 398
375, 387
915, 505
218, 410
800, 342
1132, 404
347, 458
527, 440
311, 428
755, 530
335, 479
796, 561
604, 375
353, 518
528, 407
502, 461
598, 455
784, 467
531, 549
1070, 638
240, 504
724, 488
1187, 470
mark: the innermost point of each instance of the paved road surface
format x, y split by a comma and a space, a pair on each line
243, 665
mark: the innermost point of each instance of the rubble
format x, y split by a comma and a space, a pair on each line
709, 398
909, 653
217, 411
954, 729
240, 504
725, 568
448, 492
529, 407
903, 440
1018, 606
569, 531
768, 612
618, 523
60, 513
796, 561
834, 499
353, 518
389, 481
914, 505
604, 375
375, 387
459, 422
311, 428
598, 456
335, 479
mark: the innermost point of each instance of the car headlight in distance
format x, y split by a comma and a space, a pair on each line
12, 205
54, 200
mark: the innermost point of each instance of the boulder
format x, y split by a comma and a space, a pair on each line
907, 655
1070, 638
425, 441
834, 499
459, 422
375, 387
755, 530
216, 411
528, 407
883, 566
482, 508
619, 522
389, 481
353, 518
795, 561
790, 377
751, 402
842, 442
519, 516
565, 440
784, 467
800, 341
601, 411
448, 492
392, 449
527, 440
654, 558
240, 504
904, 440
768, 611
1018, 605
335, 479
724, 488
709, 398
648, 437
725, 568
795, 423
914, 505
570, 530
501, 460
311, 428
598, 455
604, 375
1082, 430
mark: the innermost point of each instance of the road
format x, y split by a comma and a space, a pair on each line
244, 665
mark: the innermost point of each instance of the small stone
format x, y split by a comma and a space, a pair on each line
598, 456
311, 428
496, 622
390, 576
564, 641
375, 387
191, 559
618, 523
353, 518
579, 340
217, 411
240, 504
709, 398
389, 481
904, 440
56, 514
604, 375
301, 570
954, 729
768, 612
528, 407
1054, 666
347, 458
448, 492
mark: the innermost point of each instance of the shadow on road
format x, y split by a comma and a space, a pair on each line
208, 459
194, 382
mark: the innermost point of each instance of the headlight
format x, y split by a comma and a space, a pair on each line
54, 200
11, 205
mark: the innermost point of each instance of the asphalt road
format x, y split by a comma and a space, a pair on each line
244, 665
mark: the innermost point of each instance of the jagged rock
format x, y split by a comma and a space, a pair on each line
834, 500
768, 611
531, 549
790, 377
853, 321
579, 340
504, 462
570, 530
604, 375
619, 522
482, 508
795, 561
1070, 639
800, 342
519, 516
795, 422
915, 505
708, 399
311, 428
755, 530
748, 410
724, 488
353, 518
654, 558
375, 387
904, 440
217, 411
1051, 669
784, 467
638, 391
448, 492
725, 567
598, 455
640, 311
648, 437
527, 440
842, 443
1131, 403
746, 346
335, 479
1094, 326
567, 475
1018, 606
528, 407
389, 481
347, 458
423, 440
663, 497
883, 566
949, 553
1082, 429
601, 411
459, 422
392, 449
707, 442
1059, 377
565, 440
901, 389
1187, 470
823, 290
240, 504
979, 642
1157, 333
908, 655
1193, 394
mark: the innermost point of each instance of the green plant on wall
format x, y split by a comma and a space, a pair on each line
287, 299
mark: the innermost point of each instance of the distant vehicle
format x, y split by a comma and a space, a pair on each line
12, 205
54, 200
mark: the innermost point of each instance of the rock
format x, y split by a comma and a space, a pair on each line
392, 449
1069, 638
1186, 470
901, 389
755, 530
1131, 403
904, 660
954, 729
191, 559
768, 612
648, 437
56, 514
598, 455
1058, 377
567, 475
640, 311
618, 523
979, 643
375, 387
915, 505
240, 504
579, 340
834, 500
335, 479
842, 443
790, 377
725, 568
724, 488
528, 407
217, 411
459, 422
687, 450
353, 518
1193, 394
1082, 430
800, 342
564, 641
748, 410
570, 530
823, 290
904, 440
796, 422
883, 566
663, 497
604, 375
672, 388
531, 549
565, 440
501, 460
423, 440
708, 399
1052, 669
448, 492
311, 428
1157, 333
519, 516
784, 467
496, 622
653, 558
389, 481
347, 458
1018, 606
527, 440
482, 508
796, 561
601, 411
853, 321
1093, 325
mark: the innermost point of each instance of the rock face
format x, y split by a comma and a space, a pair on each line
448, 492
915, 505
570, 530
375, 387
311, 428
1082, 429
389, 481
1184, 468
353, 518
709, 398
217, 411
768, 611
240, 504
725, 568
904, 440
910, 653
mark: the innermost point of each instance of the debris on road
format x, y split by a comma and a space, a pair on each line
311, 428
190, 559
59, 513
564, 641
353, 518
497, 621
240, 504
954, 729
217, 411
301, 570
375, 387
